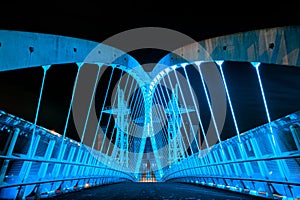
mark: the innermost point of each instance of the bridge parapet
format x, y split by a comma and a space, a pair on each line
57, 165
253, 166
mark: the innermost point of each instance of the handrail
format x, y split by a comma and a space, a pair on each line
246, 179
56, 180
237, 161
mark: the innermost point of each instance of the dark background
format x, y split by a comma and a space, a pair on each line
100, 20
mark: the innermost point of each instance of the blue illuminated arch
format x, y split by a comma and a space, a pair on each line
278, 45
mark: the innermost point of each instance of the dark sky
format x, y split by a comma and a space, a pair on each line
97, 22
100, 20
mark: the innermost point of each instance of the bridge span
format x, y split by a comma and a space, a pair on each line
214, 119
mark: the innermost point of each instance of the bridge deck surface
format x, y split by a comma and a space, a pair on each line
153, 191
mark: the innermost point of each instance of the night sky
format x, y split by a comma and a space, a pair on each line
19, 89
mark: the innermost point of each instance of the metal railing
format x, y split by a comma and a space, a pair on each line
33, 166
263, 164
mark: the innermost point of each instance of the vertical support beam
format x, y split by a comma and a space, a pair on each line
8, 154
247, 165
256, 65
57, 166
101, 111
184, 102
91, 161
66, 169
143, 138
34, 139
281, 163
24, 172
229, 99
209, 103
13, 142
45, 68
82, 168
63, 147
76, 168
261, 164
149, 125
236, 166
90, 106
174, 108
197, 112
79, 65
43, 168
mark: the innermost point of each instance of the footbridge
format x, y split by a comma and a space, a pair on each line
93, 115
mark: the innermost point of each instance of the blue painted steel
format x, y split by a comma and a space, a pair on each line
229, 100
106, 129
101, 111
47, 174
265, 178
256, 65
209, 104
174, 108
90, 105
186, 109
79, 65
36, 161
196, 109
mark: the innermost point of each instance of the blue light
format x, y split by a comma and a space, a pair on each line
79, 65
130, 91
98, 125
229, 100
197, 111
198, 63
45, 68
143, 138
184, 128
162, 115
172, 107
185, 105
219, 62
184, 64
253, 192
192, 169
115, 97
210, 184
174, 67
90, 106
208, 101
256, 65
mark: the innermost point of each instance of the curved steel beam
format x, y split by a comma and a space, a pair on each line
20, 49
279, 45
